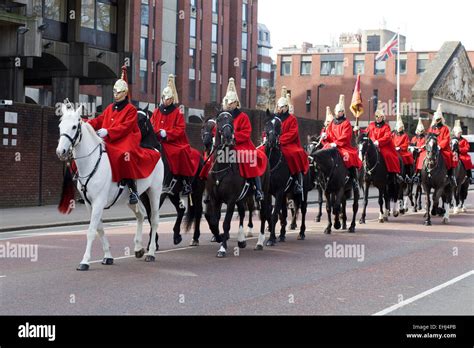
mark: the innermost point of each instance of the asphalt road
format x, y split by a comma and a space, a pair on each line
402, 267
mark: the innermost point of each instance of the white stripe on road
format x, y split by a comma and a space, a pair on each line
423, 294
158, 252
3, 276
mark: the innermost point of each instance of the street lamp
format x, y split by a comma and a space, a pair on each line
321, 85
19, 31
250, 85
158, 64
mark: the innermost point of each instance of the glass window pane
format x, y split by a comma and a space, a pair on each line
55, 10
143, 48
145, 15
214, 6
244, 12
106, 17
192, 56
305, 68
244, 69
143, 81
88, 14
214, 33
244, 41
192, 29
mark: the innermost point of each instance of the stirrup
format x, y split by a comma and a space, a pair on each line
298, 188
258, 195
416, 179
187, 189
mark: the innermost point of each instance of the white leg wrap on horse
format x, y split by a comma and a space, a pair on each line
261, 239
241, 235
222, 249
250, 232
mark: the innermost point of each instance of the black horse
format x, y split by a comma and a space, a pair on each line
462, 179
207, 137
282, 183
434, 176
332, 174
315, 144
374, 171
194, 211
415, 183
225, 185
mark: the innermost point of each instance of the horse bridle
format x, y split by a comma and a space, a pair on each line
370, 171
73, 140
430, 160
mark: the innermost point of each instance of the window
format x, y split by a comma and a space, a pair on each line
99, 15
359, 64
192, 89
192, 29
263, 83
192, 56
379, 67
421, 62
308, 101
215, 6
244, 69
52, 9
373, 43
213, 92
403, 64
306, 63
214, 33
244, 40
285, 66
214, 63
376, 99
264, 51
244, 13
264, 67
332, 68
143, 48
145, 17
143, 81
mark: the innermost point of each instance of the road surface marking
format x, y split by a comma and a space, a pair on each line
3, 276
423, 294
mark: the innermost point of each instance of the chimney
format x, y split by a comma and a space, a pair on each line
305, 47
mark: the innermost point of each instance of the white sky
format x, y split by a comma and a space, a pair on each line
426, 24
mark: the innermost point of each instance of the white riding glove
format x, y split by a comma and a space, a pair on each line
102, 132
333, 145
397, 148
376, 143
324, 136
439, 147
162, 133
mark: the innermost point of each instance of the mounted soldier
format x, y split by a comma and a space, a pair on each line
381, 134
418, 143
439, 128
118, 127
339, 135
243, 144
401, 142
170, 127
290, 144
463, 147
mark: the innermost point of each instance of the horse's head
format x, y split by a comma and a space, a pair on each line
207, 132
364, 143
69, 130
314, 144
225, 128
432, 148
272, 130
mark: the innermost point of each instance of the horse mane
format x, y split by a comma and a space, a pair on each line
208, 118
87, 128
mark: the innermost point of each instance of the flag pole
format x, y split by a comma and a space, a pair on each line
398, 73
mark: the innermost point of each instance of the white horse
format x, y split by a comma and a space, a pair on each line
78, 141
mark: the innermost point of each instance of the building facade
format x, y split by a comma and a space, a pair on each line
265, 70
57, 49
316, 76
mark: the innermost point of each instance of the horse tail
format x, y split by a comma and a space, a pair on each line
67, 196
190, 215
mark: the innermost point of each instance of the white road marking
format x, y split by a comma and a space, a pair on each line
158, 252
423, 294
3, 276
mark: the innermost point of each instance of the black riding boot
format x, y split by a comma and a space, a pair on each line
132, 187
452, 178
416, 177
258, 189
298, 184
187, 188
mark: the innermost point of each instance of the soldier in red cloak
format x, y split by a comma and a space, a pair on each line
464, 156
418, 142
401, 142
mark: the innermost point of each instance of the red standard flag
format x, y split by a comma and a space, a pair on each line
356, 104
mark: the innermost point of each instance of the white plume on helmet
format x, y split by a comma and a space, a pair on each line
438, 115
379, 111
457, 127
340, 106
420, 129
231, 94
170, 90
329, 116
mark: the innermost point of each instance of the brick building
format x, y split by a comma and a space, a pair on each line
316, 76
265, 69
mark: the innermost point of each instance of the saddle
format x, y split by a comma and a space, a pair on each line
149, 138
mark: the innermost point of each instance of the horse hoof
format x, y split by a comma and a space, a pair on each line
177, 239
317, 219
381, 221
386, 218
344, 226
396, 214
82, 267
282, 239
427, 223
213, 239
139, 254
270, 243
352, 229
445, 221
402, 212
107, 262
293, 227
194, 243
327, 231
242, 245
258, 247
150, 258
362, 221
301, 237
337, 225
221, 254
